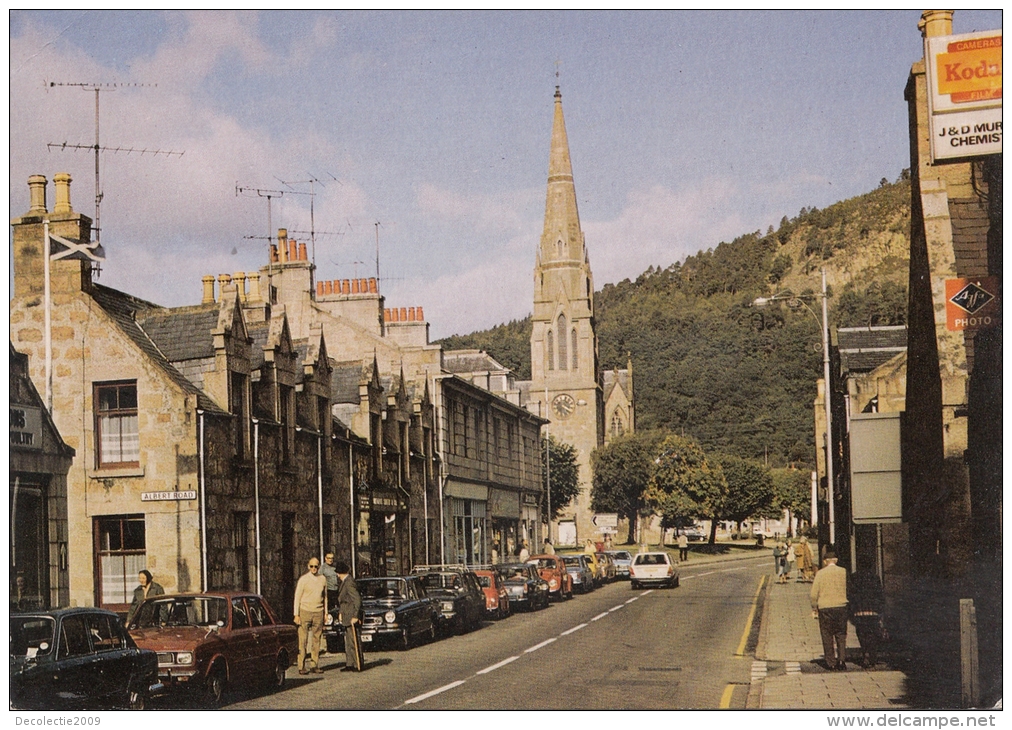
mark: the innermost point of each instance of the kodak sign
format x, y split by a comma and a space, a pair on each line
970, 70
964, 99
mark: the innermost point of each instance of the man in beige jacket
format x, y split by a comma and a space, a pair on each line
310, 610
829, 605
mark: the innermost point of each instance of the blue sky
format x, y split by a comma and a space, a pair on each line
685, 128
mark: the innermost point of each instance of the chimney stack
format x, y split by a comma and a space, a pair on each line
208, 282
61, 181
935, 23
303, 253
37, 193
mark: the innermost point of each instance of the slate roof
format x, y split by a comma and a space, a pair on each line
471, 361
344, 382
862, 349
124, 310
183, 333
613, 378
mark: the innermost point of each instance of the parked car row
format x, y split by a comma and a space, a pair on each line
198, 645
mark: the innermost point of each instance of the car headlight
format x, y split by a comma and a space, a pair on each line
447, 605
553, 583
184, 657
390, 617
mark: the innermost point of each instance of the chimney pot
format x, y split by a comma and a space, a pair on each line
274, 254
386, 315
419, 315
208, 282
37, 194
354, 286
320, 289
282, 245
293, 251
61, 181
303, 254
254, 286
239, 278
411, 314
372, 286
404, 314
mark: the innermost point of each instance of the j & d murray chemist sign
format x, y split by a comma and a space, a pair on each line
964, 94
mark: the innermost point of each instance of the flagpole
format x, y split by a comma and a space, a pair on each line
48, 321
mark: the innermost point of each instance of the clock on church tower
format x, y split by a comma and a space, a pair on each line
563, 405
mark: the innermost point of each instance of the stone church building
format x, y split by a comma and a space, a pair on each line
586, 406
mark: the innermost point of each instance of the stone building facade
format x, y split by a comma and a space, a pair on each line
952, 435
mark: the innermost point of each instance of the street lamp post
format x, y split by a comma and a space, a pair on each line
796, 301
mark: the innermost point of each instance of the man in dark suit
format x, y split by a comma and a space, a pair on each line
350, 615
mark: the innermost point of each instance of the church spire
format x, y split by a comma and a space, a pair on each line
562, 238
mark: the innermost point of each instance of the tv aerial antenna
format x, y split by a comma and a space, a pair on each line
97, 147
312, 181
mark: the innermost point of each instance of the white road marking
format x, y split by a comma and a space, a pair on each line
647, 593
615, 608
634, 598
503, 663
567, 632
546, 642
600, 615
434, 692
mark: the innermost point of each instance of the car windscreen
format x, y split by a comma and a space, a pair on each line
30, 633
485, 581
381, 588
621, 555
546, 562
441, 580
651, 559
181, 611
571, 561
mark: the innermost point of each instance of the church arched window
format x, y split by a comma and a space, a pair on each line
617, 427
551, 350
563, 353
576, 350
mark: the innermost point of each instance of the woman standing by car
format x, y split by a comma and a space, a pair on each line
147, 587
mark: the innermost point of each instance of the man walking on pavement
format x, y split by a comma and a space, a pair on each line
683, 548
309, 611
350, 616
829, 605
333, 582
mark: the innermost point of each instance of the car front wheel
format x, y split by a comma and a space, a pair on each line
136, 700
214, 687
280, 672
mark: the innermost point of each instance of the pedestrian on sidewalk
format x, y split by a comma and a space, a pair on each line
683, 548
806, 567
867, 604
350, 616
791, 558
829, 605
780, 561
310, 607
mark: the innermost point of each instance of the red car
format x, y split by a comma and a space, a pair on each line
497, 601
553, 571
208, 641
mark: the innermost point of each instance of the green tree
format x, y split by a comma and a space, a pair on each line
793, 492
750, 490
684, 486
622, 470
563, 478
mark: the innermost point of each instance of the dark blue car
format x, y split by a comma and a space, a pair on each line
396, 609
78, 658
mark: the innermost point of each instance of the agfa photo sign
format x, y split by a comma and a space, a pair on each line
964, 94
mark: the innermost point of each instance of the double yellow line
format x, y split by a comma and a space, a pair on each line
725, 698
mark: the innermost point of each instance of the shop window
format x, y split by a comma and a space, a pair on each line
116, 424
120, 554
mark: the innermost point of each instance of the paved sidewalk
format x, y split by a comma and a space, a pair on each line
788, 672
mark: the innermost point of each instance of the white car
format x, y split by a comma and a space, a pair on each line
653, 569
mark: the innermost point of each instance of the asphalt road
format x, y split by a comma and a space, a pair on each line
615, 648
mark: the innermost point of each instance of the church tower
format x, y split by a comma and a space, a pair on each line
566, 380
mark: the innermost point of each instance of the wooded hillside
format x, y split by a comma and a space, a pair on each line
742, 380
